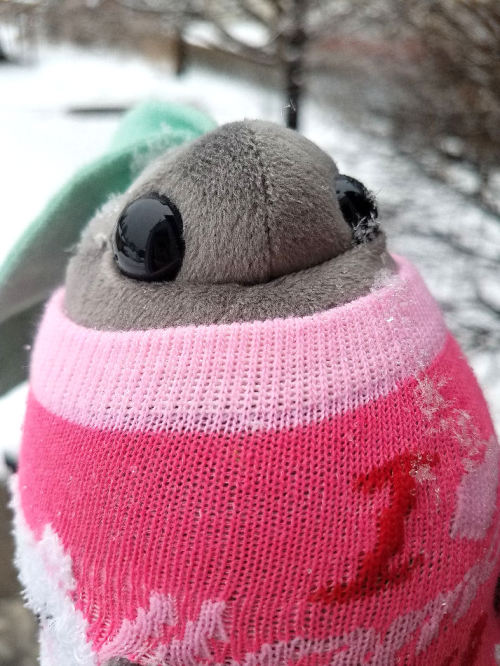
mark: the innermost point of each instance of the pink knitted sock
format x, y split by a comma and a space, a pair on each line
310, 491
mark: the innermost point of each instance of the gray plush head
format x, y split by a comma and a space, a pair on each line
259, 234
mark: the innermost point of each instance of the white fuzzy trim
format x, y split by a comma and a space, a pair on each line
45, 571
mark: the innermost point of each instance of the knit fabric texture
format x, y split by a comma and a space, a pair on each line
316, 490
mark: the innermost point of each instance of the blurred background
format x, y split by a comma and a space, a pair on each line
405, 96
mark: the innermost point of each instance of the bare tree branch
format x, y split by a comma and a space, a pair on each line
486, 303
452, 241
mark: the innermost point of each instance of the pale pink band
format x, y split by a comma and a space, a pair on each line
139, 379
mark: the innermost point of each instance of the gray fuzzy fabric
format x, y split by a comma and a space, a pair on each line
264, 236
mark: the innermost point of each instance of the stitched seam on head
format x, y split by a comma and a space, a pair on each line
267, 196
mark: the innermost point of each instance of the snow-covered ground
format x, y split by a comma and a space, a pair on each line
42, 145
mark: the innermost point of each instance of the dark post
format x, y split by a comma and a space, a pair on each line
294, 43
180, 51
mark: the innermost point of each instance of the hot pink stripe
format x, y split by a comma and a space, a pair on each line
309, 368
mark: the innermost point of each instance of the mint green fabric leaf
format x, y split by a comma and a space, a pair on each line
37, 265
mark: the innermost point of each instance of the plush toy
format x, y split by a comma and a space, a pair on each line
250, 439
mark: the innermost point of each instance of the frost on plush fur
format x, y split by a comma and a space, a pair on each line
46, 575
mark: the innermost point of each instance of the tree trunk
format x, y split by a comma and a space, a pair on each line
293, 51
3, 55
180, 52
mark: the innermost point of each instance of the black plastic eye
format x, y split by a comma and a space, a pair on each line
358, 207
148, 242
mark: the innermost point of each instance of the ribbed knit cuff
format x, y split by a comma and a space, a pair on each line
253, 375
